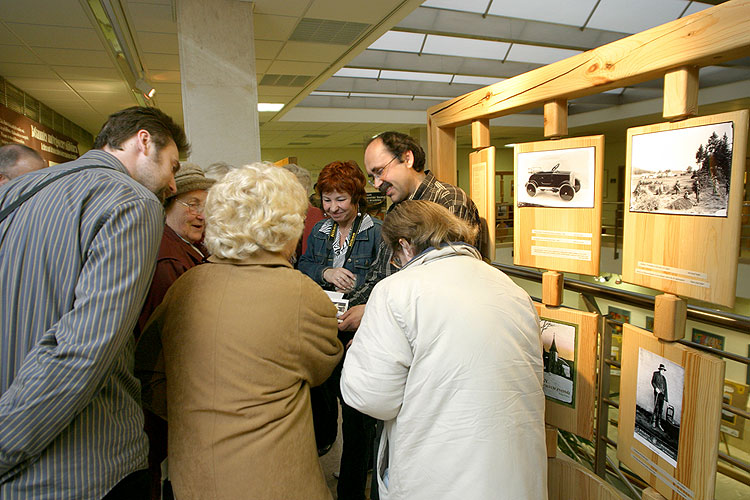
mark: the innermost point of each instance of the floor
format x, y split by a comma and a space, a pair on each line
330, 463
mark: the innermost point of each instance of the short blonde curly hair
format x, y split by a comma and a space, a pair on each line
252, 208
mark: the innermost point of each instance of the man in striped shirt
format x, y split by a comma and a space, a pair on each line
76, 260
395, 165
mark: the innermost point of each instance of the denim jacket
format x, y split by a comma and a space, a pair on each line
313, 262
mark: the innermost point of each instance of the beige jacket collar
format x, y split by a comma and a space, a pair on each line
259, 258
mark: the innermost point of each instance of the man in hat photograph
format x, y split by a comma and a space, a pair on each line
659, 383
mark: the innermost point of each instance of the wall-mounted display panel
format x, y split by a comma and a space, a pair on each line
670, 412
683, 201
482, 189
569, 343
558, 200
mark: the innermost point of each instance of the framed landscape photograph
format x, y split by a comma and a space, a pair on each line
569, 339
558, 204
670, 414
693, 179
683, 202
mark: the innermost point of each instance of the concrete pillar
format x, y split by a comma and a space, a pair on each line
217, 72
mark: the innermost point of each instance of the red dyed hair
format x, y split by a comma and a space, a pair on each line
344, 177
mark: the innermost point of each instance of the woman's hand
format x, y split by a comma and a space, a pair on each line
343, 279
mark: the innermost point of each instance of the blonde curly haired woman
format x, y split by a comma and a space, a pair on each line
243, 338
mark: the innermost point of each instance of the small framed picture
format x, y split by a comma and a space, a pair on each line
569, 339
670, 414
708, 339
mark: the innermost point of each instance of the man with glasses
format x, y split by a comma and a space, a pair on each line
395, 165
181, 248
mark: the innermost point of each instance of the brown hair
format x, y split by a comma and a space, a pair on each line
124, 124
425, 224
398, 143
344, 177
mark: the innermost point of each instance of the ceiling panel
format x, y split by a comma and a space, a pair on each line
9, 70
314, 52
31, 85
167, 88
267, 27
152, 17
56, 36
98, 86
161, 61
158, 43
75, 57
163, 76
357, 12
297, 67
261, 67
17, 54
87, 73
629, 17
292, 8
267, 49
44, 12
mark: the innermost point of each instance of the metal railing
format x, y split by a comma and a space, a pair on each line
601, 463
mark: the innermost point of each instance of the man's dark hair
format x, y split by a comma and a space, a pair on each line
11, 153
398, 144
124, 124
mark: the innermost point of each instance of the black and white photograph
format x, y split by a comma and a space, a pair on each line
559, 342
658, 404
685, 171
562, 178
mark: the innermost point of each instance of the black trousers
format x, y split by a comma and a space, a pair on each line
358, 431
134, 486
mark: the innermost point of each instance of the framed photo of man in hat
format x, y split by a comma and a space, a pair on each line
670, 408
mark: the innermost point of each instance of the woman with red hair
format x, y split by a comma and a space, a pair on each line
339, 252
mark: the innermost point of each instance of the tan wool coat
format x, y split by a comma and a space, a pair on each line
242, 343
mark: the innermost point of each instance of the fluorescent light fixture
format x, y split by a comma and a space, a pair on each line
538, 54
357, 73
270, 106
465, 47
399, 41
476, 80
144, 87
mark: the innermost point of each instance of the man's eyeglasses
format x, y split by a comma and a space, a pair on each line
194, 207
377, 173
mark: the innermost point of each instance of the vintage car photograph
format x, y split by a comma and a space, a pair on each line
562, 178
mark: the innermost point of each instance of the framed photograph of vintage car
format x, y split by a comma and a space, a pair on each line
558, 204
683, 203
670, 414
569, 352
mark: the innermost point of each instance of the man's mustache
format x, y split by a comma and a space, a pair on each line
384, 186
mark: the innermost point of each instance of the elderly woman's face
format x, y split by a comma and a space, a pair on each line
339, 207
185, 215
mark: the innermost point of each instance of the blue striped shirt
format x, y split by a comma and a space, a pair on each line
76, 262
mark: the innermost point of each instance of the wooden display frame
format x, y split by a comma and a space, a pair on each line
482, 191
688, 255
694, 475
577, 417
560, 239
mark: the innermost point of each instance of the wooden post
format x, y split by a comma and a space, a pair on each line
480, 133
441, 155
552, 288
550, 436
670, 315
556, 118
681, 93
651, 494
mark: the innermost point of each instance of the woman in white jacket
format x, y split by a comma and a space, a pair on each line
449, 355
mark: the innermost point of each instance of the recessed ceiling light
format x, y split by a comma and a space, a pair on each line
270, 106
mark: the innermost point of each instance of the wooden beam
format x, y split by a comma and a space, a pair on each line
681, 93
480, 134
441, 159
712, 36
555, 118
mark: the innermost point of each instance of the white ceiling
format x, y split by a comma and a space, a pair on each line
405, 59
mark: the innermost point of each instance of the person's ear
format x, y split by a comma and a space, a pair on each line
408, 158
143, 141
406, 248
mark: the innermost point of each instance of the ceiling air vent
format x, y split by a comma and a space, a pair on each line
285, 80
327, 31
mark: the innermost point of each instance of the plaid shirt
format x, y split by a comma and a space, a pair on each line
451, 197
